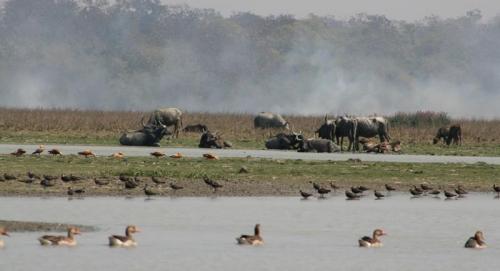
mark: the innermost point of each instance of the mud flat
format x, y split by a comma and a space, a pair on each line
31, 226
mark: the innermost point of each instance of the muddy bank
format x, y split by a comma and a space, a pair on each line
26, 226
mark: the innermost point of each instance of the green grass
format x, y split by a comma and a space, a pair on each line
476, 176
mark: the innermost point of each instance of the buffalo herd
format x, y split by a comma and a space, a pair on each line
331, 133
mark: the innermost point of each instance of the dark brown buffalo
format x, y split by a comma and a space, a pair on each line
213, 140
283, 141
327, 129
449, 135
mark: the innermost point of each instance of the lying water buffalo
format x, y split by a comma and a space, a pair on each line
195, 128
318, 145
344, 128
270, 120
149, 135
449, 135
327, 129
213, 140
284, 141
169, 117
384, 147
368, 127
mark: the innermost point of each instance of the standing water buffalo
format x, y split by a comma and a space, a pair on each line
318, 145
169, 117
452, 134
284, 141
270, 120
149, 135
344, 128
327, 129
368, 127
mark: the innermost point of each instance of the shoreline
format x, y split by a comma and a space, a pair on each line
33, 226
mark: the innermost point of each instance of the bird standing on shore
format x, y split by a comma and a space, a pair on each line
149, 192
55, 152
118, 155
79, 191
305, 195
351, 196
158, 180
101, 182
210, 156
378, 195
177, 155
215, 185
18, 152
449, 195
175, 187
389, 188
157, 154
496, 189
39, 150
86, 153
323, 191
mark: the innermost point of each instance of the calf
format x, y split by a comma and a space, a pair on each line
449, 135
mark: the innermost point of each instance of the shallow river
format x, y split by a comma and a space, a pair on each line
198, 233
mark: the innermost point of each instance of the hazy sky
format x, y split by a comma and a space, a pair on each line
394, 9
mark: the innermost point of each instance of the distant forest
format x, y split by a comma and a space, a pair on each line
139, 54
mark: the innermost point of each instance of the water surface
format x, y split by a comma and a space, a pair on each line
198, 233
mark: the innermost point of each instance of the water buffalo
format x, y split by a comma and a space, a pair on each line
284, 141
169, 117
195, 128
270, 120
384, 147
213, 140
327, 129
150, 135
368, 127
449, 135
344, 128
318, 145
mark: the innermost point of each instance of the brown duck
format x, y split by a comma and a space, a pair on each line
124, 241
253, 240
60, 240
373, 241
476, 241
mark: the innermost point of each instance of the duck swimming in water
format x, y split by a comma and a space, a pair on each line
476, 241
253, 240
124, 241
373, 241
60, 240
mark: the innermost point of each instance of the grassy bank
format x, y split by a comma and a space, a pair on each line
264, 177
415, 131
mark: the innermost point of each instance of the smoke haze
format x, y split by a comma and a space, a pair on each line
142, 54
